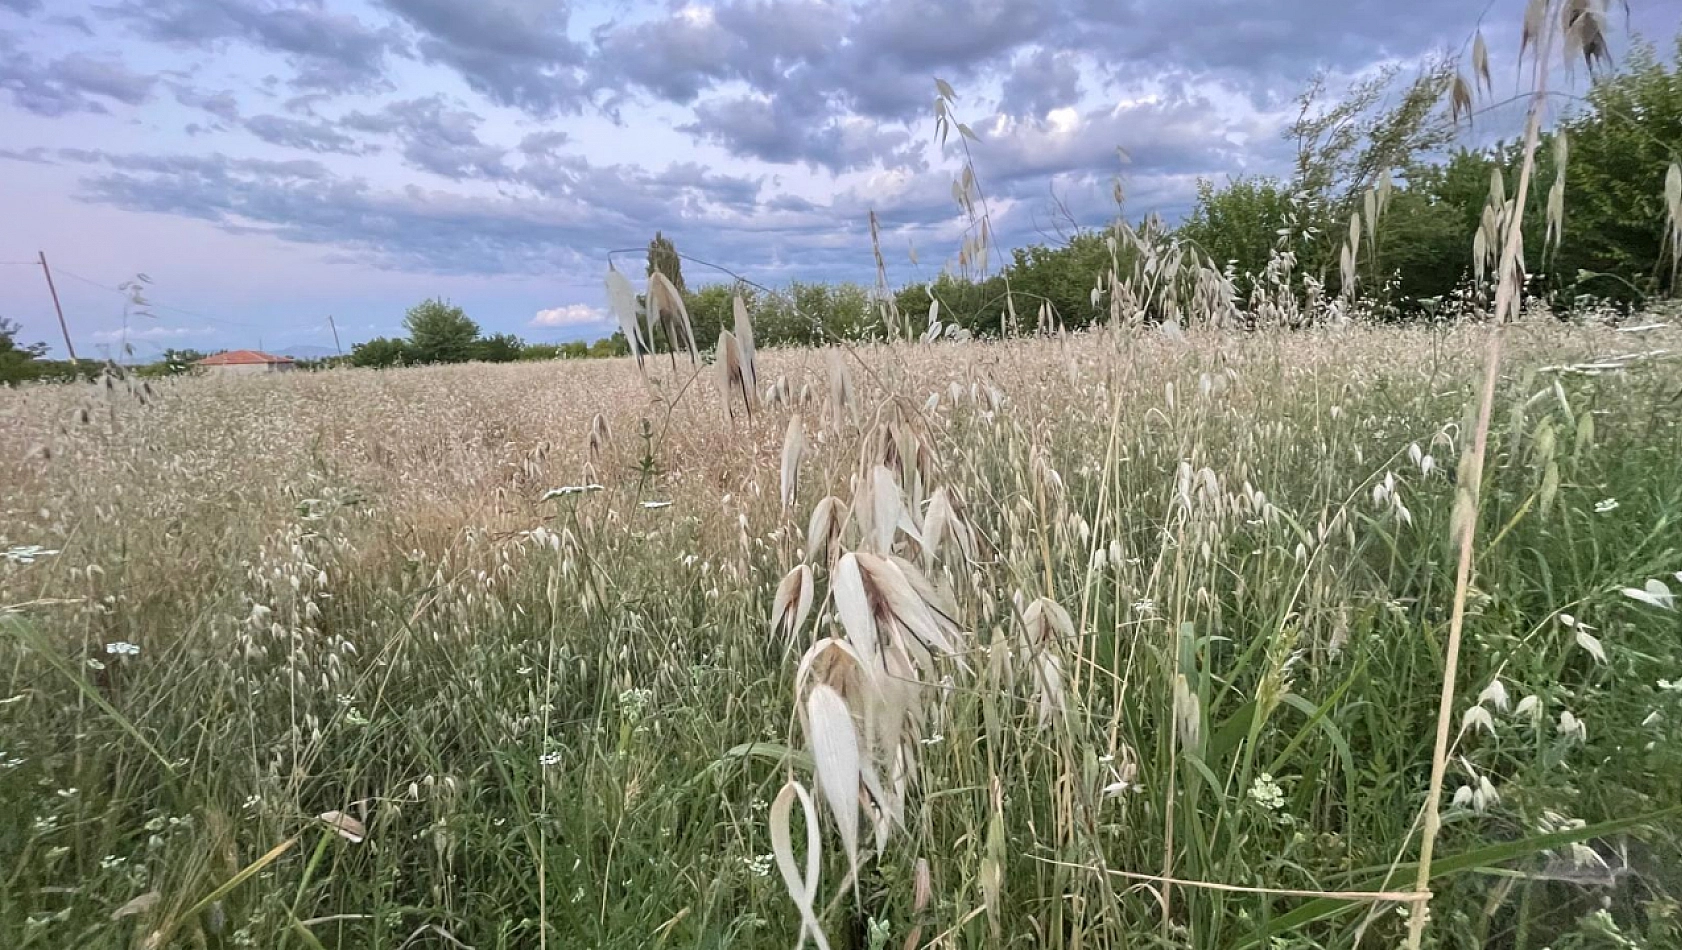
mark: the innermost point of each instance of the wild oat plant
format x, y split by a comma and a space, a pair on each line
1110, 639
1158, 634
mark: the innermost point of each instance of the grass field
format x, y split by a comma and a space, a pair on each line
1199, 591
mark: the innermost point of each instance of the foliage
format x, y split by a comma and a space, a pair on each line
498, 348
1238, 224
17, 363
341, 595
381, 353
440, 333
663, 259
24, 363
1621, 141
173, 362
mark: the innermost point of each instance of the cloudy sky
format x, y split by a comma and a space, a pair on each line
269, 163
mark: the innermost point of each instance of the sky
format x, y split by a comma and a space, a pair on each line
271, 164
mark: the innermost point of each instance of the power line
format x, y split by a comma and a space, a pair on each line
160, 306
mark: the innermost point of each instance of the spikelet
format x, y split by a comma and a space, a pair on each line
744, 343
877, 723
834, 742
665, 306
727, 362
942, 525
879, 509
599, 436
1044, 624
1188, 715
794, 447
802, 888
842, 397
886, 616
824, 530
622, 298
793, 603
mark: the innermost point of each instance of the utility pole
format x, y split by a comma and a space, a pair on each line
335, 327
71, 347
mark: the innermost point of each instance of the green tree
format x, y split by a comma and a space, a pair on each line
380, 353
1620, 145
173, 362
1239, 224
542, 351
18, 363
615, 345
440, 332
499, 348
662, 258
712, 309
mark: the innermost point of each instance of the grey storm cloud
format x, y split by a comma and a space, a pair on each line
577, 212
436, 137
1188, 87
775, 130
514, 54
74, 83
327, 50
1041, 80
1184, 135
808, 66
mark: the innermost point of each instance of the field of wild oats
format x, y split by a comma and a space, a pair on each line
1112, 640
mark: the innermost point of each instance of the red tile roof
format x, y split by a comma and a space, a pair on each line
242, 357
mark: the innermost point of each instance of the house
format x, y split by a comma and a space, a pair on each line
245, 363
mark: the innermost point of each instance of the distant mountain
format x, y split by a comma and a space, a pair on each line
308, 352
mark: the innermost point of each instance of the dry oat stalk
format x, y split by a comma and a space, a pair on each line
665, 306
622, 298
842, 397
732, 379
803, 888
823, 532
1044, 624
744, 343
793, 603
794, 447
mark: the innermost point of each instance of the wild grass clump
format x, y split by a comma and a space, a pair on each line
1135, 638
1156, 634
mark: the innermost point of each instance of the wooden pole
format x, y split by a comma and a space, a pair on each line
335, 327
71, 347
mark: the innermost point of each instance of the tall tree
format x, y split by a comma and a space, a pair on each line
440, 333
663, 259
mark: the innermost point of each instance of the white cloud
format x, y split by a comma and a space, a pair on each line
142, 333
571, 315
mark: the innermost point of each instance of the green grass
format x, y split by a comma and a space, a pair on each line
575, 743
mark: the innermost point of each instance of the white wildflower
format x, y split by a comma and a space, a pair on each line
1264, 791
1605, 504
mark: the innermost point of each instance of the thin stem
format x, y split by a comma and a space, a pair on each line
1506, 302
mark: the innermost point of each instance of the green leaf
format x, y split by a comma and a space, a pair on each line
1323, 908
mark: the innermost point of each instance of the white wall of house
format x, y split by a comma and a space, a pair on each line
248, 369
